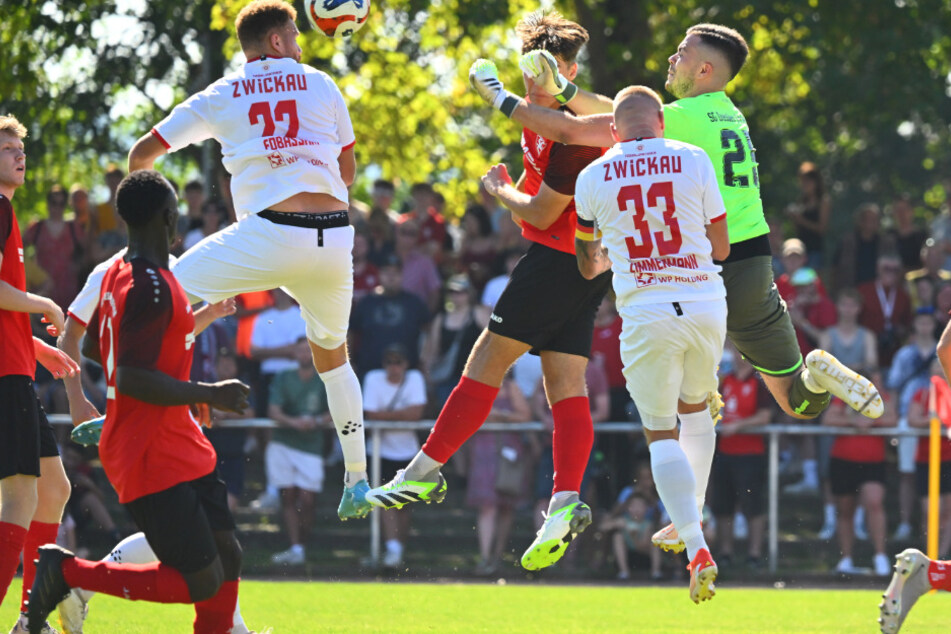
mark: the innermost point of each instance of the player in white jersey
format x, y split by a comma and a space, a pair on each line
657, 208
287, 140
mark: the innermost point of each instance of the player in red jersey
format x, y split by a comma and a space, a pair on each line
33, 485
547, 308
152, 450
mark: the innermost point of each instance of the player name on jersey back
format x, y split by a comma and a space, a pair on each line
282, 126
649, 201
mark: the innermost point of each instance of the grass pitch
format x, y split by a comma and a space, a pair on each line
291, 608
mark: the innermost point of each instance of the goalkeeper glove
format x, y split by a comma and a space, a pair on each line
484, 77
541, 68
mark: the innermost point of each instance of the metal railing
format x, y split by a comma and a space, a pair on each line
772, 431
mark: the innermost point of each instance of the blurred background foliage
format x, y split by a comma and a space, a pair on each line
860, 88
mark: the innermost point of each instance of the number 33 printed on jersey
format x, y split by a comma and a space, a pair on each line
668, 241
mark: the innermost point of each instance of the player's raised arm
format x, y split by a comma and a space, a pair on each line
541, 210
542, 68
593, 130
143, 154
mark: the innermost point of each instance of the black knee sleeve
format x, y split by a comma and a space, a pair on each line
229, 550
805, 402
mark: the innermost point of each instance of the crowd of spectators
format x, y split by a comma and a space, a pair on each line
424, 287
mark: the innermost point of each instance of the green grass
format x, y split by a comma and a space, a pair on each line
292, 608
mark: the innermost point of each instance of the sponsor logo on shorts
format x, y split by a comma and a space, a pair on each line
495, 318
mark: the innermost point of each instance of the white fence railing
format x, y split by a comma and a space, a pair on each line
772, 432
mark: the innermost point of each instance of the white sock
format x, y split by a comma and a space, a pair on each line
134, 549
346, 409
829, 513
810, 471
676, 486
420, 466
811, 384
237, 620
698, 439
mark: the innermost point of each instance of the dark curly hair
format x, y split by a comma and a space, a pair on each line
141, 195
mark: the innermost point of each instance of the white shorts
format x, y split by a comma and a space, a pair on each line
288, 467
669, 356
257, 255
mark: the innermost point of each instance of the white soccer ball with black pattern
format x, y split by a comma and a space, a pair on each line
337, 18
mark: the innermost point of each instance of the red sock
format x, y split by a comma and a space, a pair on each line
216, 615
463, 414
939, 574
40, 533
12, 537
571, 442
154, 582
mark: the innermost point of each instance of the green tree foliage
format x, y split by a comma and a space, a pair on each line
862, 93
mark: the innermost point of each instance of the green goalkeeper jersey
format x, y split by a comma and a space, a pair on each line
713, 123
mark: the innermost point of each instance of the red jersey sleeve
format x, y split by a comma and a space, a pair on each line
6, 221
146, 314
565, 162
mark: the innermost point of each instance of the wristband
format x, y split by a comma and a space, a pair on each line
567, 94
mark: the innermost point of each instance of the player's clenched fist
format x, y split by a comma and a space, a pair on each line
496, 178
230, 396
542, 68
484, 77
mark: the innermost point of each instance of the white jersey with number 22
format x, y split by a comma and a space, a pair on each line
281, 125
649, 201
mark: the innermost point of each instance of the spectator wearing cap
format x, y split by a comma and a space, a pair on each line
452, 335
388, 315
811, 312
886, 307
932, 260
910, 371
394, 393
795, 258
294, 457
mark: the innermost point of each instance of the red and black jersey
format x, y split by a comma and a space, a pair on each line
16, 337
741, 399
557, 165
144, 320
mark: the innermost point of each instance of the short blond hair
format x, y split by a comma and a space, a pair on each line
259, 18
638, 91
12, 125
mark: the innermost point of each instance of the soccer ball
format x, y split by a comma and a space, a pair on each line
337, 18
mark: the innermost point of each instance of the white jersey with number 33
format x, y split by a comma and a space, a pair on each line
281, 125
650, 200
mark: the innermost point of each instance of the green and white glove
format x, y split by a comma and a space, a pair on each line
484, 77
542, 68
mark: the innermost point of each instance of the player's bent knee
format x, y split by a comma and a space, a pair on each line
656, 423
205, 583
230, 553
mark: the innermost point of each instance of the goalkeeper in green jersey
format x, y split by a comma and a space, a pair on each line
758, 323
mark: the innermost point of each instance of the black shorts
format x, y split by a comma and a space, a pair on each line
847, 477
180, 522
921, 478
548, 304
738, 480
25, 434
